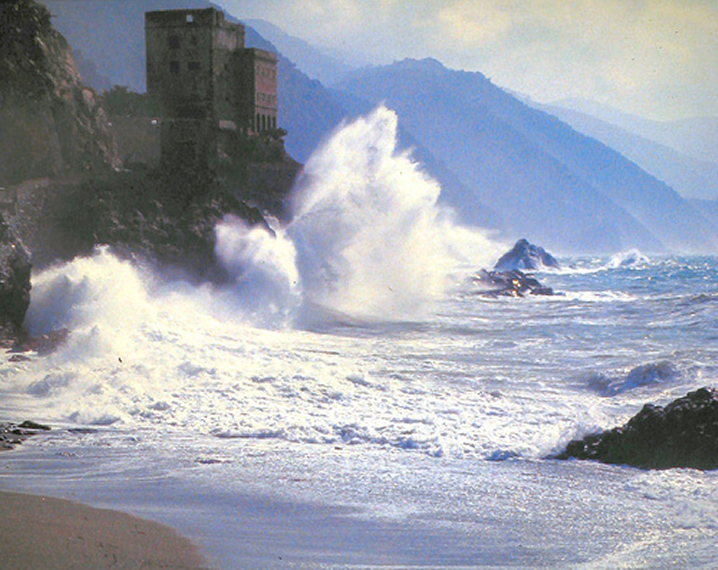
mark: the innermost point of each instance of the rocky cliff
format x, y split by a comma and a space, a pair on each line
51, 124
14, 282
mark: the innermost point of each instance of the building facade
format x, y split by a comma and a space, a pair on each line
207, 83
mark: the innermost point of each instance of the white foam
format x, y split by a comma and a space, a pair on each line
267, 288
629, 258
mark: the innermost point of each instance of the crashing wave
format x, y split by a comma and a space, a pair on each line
630, 258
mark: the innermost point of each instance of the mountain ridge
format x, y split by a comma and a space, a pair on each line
471, 118
691, 177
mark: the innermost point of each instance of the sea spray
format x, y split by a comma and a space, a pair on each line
630, 258
369, 236
266, 288
98, 298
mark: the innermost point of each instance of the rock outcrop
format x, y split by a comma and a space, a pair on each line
12, 435
682, 434
525, 255
51, 124
14, 282
508, 284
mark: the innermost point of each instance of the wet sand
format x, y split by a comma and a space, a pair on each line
40, 532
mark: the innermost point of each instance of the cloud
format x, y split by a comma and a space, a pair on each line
472, 23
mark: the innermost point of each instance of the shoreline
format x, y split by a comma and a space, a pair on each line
43, 532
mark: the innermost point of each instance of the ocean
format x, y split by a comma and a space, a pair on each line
348, 399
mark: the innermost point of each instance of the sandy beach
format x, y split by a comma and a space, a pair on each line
39, 532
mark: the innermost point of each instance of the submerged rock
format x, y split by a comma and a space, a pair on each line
682, 434
652, 373
43, 344
509, 284
525, 255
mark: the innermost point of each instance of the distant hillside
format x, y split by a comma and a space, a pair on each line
111, 34
309, 59
689, 177
696, 137
708, 208
550, 183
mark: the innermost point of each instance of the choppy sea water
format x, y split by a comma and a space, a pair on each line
441, 422
358, 371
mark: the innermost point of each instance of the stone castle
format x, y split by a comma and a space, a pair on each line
209, 86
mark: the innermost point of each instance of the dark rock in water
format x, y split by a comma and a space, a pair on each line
43, 344
12, 434
525, 255
682, 434
14, 282
29, 424
509, 284
18, 358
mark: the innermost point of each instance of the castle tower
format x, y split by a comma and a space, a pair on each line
207, 84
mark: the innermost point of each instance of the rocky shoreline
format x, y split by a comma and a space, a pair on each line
12, 435
684, 433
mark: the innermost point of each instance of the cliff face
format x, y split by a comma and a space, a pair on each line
14, 281
51, 124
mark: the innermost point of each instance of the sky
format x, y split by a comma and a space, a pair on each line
654, 58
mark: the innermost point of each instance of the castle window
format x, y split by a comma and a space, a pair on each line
174, 67
190, 19
193, 66
259, 123
174, 42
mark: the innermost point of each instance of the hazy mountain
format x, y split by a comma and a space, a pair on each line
696, 137
708, 208
549, 182
311, 60
689, 177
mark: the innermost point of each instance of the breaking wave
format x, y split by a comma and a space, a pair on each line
630, 258
368, 237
